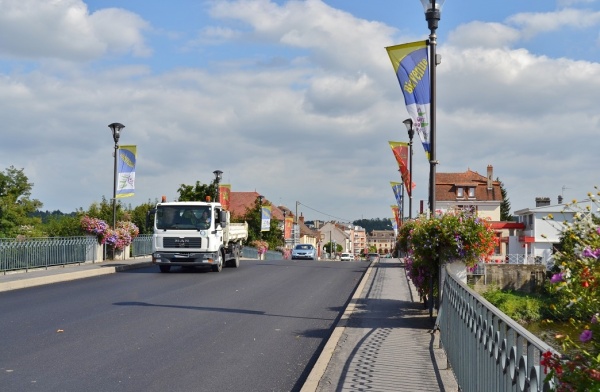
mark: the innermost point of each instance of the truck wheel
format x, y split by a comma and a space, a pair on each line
219, 266
235, 263
164, 268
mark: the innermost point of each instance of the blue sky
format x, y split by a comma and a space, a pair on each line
295, 99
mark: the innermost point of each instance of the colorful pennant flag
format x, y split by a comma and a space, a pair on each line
289, 223
126, 156
411, 65
396, 213
224, 193
400, 150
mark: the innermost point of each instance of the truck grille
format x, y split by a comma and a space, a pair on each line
182, 242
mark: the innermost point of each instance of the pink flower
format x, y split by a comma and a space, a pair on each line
585, 336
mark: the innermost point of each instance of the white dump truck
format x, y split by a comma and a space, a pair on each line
195, 234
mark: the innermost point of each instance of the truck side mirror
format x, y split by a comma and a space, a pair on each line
223, 218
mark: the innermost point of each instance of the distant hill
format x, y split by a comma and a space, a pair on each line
374, 224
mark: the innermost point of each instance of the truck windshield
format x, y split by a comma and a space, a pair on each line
183, 217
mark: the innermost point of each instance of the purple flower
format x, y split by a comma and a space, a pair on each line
588, 252
556, 278
585, 336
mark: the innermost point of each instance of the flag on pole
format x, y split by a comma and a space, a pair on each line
396, 213
224, 193
397, 188
289, 223
265, 214
411, 65
126, 156
400, 150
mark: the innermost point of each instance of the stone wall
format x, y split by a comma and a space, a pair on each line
526, 278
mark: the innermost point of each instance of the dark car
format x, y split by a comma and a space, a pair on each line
304, 251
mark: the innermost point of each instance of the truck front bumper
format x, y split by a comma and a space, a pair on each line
190, 259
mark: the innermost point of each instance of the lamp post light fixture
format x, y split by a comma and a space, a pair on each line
116, 132
218, 175
433, 10
411, 133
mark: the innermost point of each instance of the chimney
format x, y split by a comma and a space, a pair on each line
490, 173
542, 201
560, 199
301, 218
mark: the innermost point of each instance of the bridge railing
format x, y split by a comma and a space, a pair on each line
487, 350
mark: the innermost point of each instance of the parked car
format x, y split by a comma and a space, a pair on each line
304, 251
347, 257
373, 257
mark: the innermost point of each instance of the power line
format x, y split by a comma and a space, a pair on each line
331, 216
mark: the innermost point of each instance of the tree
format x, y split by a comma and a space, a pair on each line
197, 192
505, 205
16, 207
374, 224
274, 237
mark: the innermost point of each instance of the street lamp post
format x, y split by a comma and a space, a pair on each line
433, 9
260, 199
411, 133
218, 175
116, 132
284, 223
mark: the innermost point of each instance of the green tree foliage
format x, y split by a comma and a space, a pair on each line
505, 205
139, 215
333, 245
198, 192
16, 207
274, 237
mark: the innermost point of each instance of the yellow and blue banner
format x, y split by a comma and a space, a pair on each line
265, 218
397, 188
411, 65
126, 157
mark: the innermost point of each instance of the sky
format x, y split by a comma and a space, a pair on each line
296, 100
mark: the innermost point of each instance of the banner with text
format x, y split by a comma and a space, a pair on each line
400, 150
411, 65
397, 188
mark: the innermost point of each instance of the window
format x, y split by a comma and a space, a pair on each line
460, 192
471, 192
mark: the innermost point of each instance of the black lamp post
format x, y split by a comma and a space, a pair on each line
411, 133
116, 132
433, 10
284, 214
218, 175
260, 199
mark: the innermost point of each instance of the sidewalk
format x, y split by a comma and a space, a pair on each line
383, 341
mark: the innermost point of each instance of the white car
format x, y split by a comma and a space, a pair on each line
347, 257
304, 251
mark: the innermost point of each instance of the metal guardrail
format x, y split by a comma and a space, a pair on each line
141, 245
30, 253
252, 253
487, 350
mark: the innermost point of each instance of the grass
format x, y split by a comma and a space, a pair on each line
521, 307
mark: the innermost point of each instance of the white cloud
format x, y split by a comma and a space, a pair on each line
64, 30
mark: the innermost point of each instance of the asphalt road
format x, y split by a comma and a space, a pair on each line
257, 328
